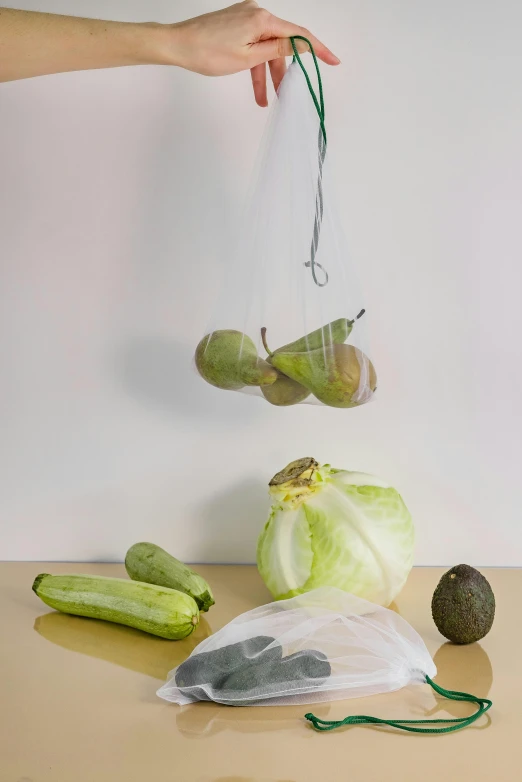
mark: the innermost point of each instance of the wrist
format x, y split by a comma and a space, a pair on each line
160, 44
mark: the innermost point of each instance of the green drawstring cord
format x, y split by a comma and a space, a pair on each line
461, 722
319, 104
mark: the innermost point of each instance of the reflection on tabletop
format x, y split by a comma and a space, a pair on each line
464, 668
201, 720
241, 779
118, 644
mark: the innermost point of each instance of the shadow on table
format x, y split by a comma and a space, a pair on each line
123, 646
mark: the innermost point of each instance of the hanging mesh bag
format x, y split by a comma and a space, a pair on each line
289, 324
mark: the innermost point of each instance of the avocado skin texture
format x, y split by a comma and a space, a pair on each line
261, 680
463, 605
210, 668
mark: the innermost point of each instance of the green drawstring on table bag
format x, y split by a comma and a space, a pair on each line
452, 724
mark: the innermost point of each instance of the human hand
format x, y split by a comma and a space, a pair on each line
240, 37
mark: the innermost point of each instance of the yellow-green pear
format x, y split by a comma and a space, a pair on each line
338, 375
333, 333
285, 391
228, 359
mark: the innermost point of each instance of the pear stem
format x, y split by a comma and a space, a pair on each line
351, 322
263, 339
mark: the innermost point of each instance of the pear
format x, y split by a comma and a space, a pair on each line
228, 359
332, 334
338, 375
285, 392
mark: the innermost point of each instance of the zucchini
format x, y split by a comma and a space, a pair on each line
152, 564
153, 609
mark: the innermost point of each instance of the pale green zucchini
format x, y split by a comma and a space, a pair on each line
154, 609
150, 563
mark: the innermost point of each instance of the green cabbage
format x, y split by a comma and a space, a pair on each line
331, 527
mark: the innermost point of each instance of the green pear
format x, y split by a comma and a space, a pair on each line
332, 334
228, 359
285, 392
338, 375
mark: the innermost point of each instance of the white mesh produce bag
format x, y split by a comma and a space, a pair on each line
323, 645
320, 646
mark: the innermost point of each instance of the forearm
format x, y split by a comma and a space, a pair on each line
240, 37
34, 44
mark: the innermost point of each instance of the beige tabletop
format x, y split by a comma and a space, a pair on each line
79, 704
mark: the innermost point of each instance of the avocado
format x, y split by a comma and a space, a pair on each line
463, 605
261, 680
209, 668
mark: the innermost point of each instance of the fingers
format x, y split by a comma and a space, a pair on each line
258, 73
273, 45
281, 29
277, 71
276, 48
322, 52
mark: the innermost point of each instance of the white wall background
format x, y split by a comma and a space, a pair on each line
117, 189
